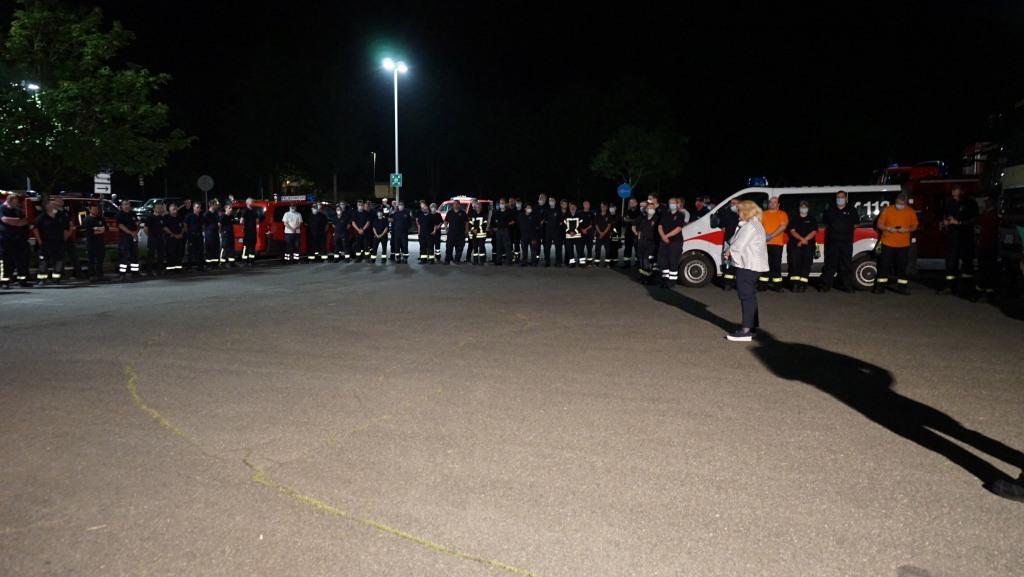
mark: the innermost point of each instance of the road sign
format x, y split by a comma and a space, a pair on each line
205, 183
625, 191
101, 183
396, 180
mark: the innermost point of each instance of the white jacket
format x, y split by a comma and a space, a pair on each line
292, 222
749, 247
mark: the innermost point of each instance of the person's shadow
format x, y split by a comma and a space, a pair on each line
867, 389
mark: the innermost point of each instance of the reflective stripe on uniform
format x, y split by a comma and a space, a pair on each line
902, 281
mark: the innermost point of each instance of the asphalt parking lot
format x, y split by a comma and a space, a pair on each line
355, 420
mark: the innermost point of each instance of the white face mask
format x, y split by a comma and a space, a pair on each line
611, 210
316, 210
552, 204
803, 212
529, 210
900, 206
519, 205
733, 208
650, 212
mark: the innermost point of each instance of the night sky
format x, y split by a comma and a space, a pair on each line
515, 98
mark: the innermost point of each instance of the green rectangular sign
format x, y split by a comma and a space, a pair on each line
396, 180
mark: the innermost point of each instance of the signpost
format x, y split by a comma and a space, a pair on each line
396, 180
101, 183
205, 184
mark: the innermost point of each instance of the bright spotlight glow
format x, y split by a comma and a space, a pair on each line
389, 64
402, 67
32, 87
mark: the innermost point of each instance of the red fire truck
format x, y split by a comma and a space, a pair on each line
270, 228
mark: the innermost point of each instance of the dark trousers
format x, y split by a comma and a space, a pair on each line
893, 264
156, 252
558, 244
774, 274
453, 248
588, 248
315, 250
838, 258
128, 254
343, 250
959, 256
227, 248
71, 257
400, 246
437, 245
601, 249
988, 270
478, 250
249, 246
627, 252
291, 247
800, 260
645, 259
13, 259
669, 256
528, 251
382, 244
502, 247
212, 243
174, 250
96, 253
51, 262
426, 246
574, 251
195, 251
746, 288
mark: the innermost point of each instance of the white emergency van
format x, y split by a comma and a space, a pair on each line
703, 238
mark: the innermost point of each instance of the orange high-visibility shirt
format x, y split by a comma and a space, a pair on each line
770, 220
904, 219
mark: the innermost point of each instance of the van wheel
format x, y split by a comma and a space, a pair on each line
696, 270
865, 269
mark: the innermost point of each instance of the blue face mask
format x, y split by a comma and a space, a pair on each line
840, 202
900, 206
673, 207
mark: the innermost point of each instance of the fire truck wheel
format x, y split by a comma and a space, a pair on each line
865, 269
696, 269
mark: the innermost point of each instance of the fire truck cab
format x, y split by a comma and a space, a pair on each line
270, 227
703, 238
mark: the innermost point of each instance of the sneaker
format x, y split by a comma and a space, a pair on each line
1012, 490
743, 336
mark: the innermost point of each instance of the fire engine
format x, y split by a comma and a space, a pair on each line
270, 228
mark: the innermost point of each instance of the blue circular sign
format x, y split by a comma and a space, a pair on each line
625, 191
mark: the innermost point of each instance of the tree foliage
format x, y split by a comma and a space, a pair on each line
633, 154
86, 113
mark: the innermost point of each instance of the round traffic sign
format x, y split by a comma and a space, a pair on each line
205, 183
625, 191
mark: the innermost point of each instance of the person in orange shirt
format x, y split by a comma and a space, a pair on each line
896, 223
775, 222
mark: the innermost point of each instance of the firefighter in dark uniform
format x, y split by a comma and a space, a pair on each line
128, 241
211, 234
803, 232
317, 230
588, 232
554, 233
438, 222
194, 230
174, 233
630, 220
401, 222
602, 236
379, 229
425, 224
227, 236
515, 207
477, 234
156, 244
728, 221
457, 222
839, 220
95, 242
361, 227
573, 236
249, 219
957, 217
615, 237
70, 240
527, 231
540, 211
502, 242
341, 222
670, 249
49, 230
14, 230
646, 231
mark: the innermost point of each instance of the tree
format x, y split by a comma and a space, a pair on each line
633, 153
65, 110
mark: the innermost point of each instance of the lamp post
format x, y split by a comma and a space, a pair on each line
373, 175
395, 68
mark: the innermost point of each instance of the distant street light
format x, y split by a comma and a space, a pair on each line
395, 68
29, 86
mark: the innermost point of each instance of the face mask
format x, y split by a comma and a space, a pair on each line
529, 210
611, 210
803, 212
900, 206
840, 202
401, 207
673, 207
316, 210
733, 208
380, 215
519, 206
360, 209
650, 212
433, 210
339, 211
552, 204
501, 206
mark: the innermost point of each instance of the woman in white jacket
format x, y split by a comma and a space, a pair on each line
748, 251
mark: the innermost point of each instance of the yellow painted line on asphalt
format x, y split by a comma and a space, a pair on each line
260, 476
133, 391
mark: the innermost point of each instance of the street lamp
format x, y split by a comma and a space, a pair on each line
395, 68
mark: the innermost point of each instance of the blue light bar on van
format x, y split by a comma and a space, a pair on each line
760, 181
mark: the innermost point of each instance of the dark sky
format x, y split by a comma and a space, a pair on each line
515, 98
